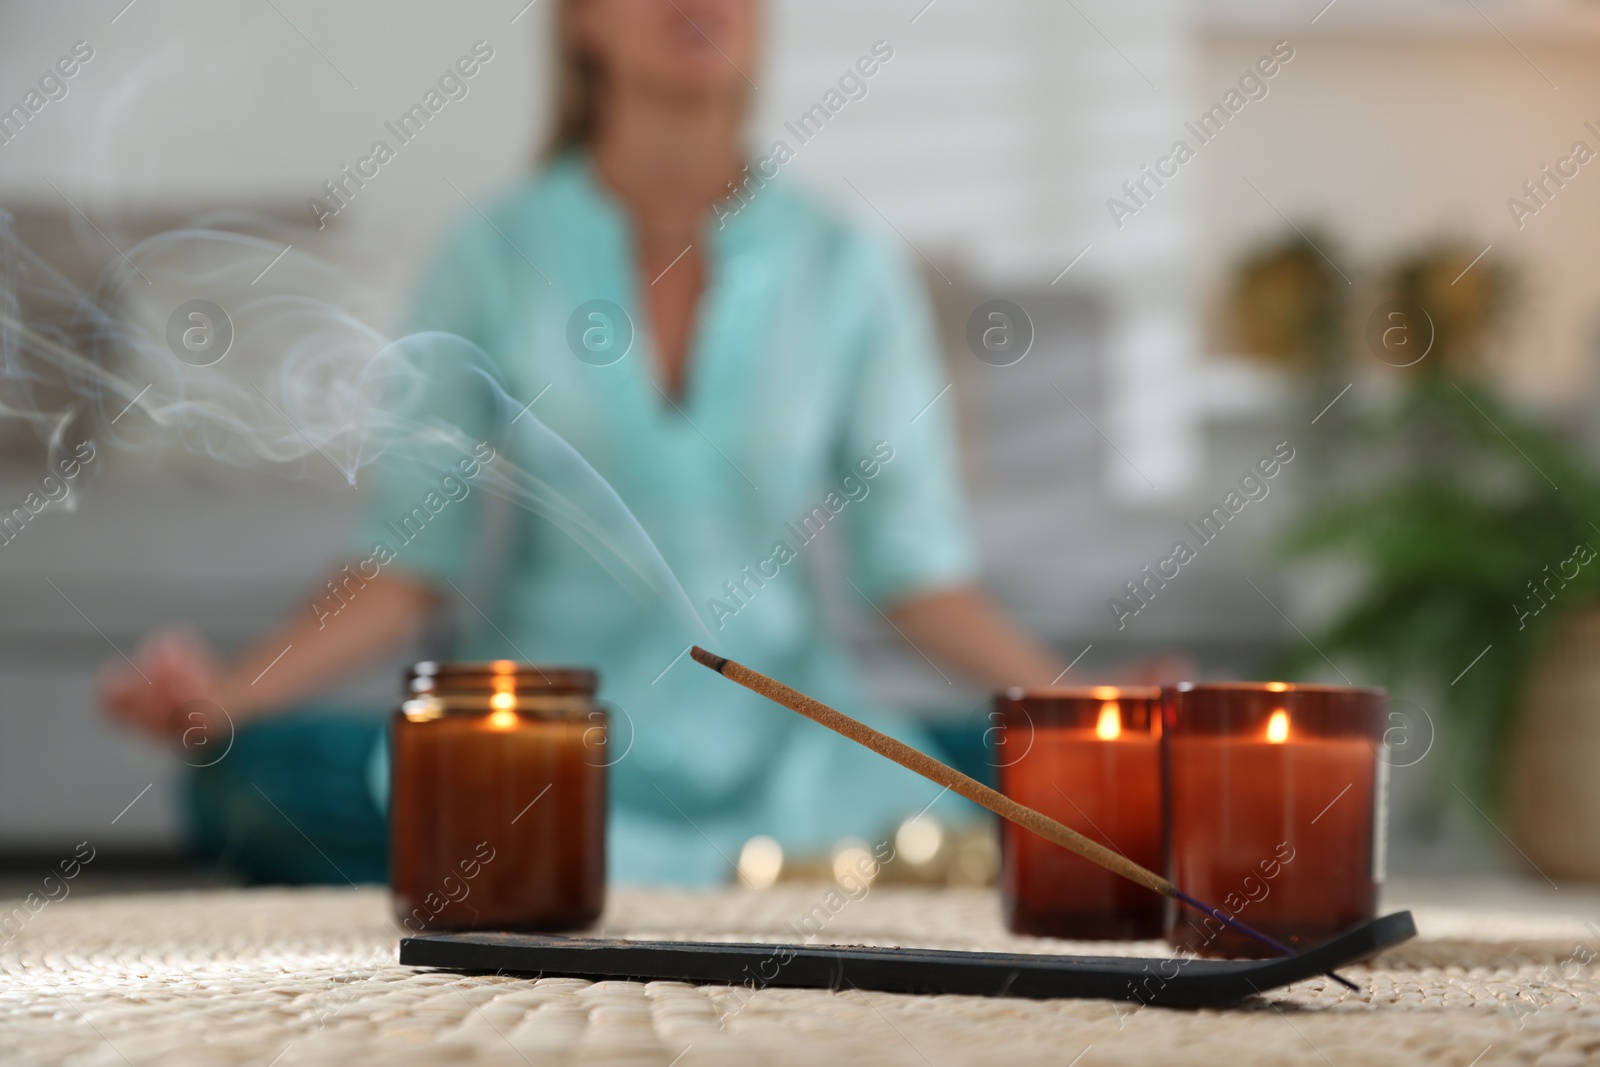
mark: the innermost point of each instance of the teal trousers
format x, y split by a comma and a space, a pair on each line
289, 802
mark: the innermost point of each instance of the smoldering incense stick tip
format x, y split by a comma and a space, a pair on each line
707, 659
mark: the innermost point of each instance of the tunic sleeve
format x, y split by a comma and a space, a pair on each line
909, 533
422, 495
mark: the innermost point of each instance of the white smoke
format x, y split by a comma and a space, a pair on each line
256, 356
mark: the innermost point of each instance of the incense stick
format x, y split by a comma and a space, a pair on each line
975, 791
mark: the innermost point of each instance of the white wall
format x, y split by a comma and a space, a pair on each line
1390, 137
191, 106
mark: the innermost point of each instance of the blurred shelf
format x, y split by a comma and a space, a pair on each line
1567, 21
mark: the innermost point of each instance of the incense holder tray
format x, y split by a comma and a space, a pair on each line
1174, 983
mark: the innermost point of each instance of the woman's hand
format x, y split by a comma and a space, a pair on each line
172, 686
175, 688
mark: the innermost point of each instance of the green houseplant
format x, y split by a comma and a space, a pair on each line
1475, 527
1480, 537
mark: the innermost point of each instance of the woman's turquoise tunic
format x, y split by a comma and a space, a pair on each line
813, 411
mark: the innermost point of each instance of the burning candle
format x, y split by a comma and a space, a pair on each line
498, 799
1088, 758
1275, 806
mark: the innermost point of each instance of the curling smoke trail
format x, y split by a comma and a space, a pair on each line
288, 375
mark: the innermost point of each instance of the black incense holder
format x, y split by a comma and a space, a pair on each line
1169, 983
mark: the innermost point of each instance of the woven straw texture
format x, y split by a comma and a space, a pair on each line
288, 977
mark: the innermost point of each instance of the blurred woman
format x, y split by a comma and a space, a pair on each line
781, 382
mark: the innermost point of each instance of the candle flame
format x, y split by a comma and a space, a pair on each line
504, 700
1278, 727
1109, 727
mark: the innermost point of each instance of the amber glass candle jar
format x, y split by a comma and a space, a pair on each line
1275, 810
1088, 758
498, 798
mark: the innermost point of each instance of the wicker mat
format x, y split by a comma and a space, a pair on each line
290, 977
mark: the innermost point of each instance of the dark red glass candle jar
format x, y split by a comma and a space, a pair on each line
1088, 758
1275, 801
498, 798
